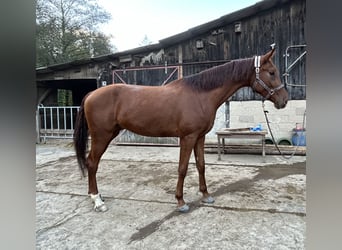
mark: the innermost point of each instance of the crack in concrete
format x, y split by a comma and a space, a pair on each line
57, 161
193, 163
74, 213
53, 192
270, 210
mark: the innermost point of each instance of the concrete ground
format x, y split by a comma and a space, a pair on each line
259, 202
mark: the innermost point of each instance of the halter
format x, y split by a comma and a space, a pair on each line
261, 82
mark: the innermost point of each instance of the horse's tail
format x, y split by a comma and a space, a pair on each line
81, 138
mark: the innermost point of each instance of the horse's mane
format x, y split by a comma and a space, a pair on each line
236, 70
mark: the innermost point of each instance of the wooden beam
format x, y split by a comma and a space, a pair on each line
256, 149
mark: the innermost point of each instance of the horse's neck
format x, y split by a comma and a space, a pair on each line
222, 94
243, 78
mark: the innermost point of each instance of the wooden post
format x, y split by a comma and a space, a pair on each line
37, 126
180, 61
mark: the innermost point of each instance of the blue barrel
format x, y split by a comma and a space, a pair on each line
299, 137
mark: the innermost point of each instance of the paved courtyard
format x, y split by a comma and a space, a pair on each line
259, 202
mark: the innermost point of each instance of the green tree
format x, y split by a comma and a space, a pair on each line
69, 30
145, 41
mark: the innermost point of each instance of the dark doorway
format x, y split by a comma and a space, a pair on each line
48, 90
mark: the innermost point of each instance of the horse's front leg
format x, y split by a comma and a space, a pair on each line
186, 145
200, 164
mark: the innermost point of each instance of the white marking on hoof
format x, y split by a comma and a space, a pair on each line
101, 208
99, 204
183, 209
208, 200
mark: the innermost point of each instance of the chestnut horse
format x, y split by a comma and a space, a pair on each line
184, 108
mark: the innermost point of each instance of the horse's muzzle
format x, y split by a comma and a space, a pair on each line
280, 104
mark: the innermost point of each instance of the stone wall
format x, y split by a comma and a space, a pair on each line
244, 114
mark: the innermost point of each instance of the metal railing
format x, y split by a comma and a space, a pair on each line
58, 123
290, 66
116, 73
55, 122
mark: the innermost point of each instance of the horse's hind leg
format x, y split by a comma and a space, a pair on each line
99, 144
200, 164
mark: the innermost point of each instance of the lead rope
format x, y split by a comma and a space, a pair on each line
275, 143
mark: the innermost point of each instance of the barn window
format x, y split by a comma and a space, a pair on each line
199, 44
237, 27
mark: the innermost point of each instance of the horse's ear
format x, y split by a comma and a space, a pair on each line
269, 55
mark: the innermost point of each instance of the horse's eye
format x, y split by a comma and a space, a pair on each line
271, 73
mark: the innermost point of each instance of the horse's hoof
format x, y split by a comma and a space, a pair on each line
101, 208
183, 209
208, 200
99, 204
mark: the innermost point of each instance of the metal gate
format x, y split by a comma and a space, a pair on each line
164, 74
294, 54
55, 122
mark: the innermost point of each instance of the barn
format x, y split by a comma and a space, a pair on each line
240, 34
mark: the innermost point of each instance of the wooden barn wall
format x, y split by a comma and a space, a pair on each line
283, 25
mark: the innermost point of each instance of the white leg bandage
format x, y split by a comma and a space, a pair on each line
99, 204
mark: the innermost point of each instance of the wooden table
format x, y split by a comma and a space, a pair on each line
239, 133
